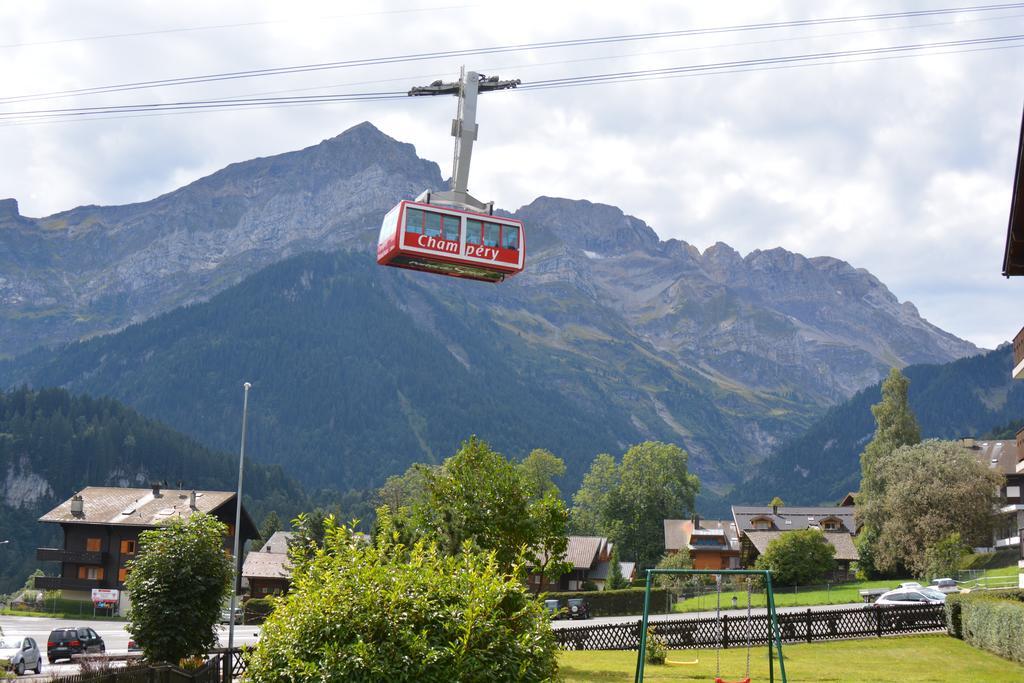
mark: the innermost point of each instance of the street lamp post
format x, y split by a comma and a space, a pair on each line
238, 526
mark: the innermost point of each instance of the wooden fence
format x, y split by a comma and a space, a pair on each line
736, 631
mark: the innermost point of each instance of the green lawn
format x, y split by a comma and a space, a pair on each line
933, 658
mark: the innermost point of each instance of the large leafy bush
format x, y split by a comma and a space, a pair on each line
391, 612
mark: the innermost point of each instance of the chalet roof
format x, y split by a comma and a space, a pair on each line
678, 532
1001, 455
583, 551
261, 565
793, 518
842, 542
109, 505
1013, 259
601, 569
278, 542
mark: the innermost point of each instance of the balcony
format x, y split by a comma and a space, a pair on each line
76, 556
54, 583
1018, 355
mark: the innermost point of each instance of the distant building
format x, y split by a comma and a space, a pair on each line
712, 543
1004, 456
267, 570
101, 531
589, 557
760, 525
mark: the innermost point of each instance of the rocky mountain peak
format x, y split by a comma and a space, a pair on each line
9, 210
597, 228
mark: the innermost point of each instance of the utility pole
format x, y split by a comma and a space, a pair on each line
464, 130
238, 526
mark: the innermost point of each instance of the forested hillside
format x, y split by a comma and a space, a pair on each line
53, 443
969, 397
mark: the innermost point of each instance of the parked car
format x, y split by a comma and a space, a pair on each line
578, 608
225, 615
553, 606
945, 586
912, 596
19, 654
64, 643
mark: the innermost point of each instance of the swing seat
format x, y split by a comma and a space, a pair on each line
672, 662
722, 680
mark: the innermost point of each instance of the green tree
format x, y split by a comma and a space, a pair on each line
540, 468
934, 489
798, 557
271, 524
615, 578
776, 502
895, 426
942, 558
629, 502
676, 583
387, 611
478, 497
178, 582
591, 510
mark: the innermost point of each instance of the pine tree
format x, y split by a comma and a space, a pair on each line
615, 578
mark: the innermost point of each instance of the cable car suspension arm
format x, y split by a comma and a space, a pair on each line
464, 130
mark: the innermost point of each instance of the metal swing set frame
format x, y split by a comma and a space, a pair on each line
775, 633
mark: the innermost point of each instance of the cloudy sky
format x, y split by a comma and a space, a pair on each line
900, 166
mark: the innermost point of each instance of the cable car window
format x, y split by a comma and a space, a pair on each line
414, 221
451, 228
509, 237
432, 224
491, 233
474, 231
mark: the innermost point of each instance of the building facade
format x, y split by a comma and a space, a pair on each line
1013, 266
712, 543
101, 528
760, 525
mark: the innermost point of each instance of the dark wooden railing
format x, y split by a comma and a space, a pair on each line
736, 631
77, 556
1018, 350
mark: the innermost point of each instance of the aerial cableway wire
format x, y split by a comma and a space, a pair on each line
764, 63
579, 42
767, 63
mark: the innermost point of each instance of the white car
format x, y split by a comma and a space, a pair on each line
20, 654
945, 586
912, 596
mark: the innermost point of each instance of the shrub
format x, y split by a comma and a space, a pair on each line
625, 602
390, 612
657, 650
256, 610
991, 621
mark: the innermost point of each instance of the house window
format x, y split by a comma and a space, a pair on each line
93, 545
830, 525
761, 524
90, 573
127, 547
122, 574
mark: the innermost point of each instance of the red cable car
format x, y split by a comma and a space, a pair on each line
453, 233
448, 241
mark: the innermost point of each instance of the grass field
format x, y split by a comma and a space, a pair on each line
933, 658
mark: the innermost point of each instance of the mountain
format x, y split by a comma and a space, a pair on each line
96, 269
611, 336
965, 398
53, 443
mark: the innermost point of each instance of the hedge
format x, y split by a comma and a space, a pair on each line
991, 621
615, 603
257, 609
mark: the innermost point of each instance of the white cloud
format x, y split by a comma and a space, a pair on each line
903, 167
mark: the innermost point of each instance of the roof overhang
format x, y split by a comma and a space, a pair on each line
1013, 260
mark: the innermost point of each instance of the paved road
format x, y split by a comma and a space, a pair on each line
113, 633
733, 613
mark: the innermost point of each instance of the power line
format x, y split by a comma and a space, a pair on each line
217, 27
735, 66
580, 42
